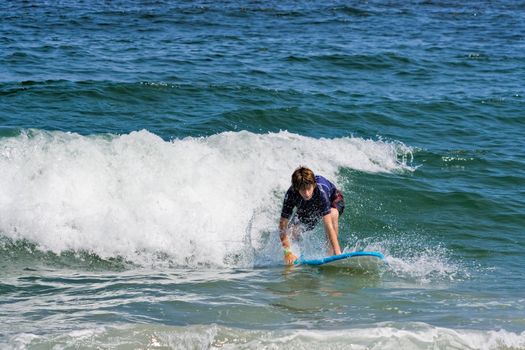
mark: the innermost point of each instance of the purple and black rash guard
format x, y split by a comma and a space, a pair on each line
309, 212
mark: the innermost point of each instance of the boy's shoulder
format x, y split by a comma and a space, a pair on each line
325, 186
321, 180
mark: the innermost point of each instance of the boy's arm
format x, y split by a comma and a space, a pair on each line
289, 257
283, 225
331, 234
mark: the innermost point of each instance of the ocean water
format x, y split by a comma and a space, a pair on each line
145, 148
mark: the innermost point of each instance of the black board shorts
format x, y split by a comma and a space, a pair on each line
339, 202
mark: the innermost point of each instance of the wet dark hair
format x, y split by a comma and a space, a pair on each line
302, 177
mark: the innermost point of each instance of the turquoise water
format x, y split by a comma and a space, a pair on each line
145, 147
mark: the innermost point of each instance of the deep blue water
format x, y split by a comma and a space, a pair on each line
145, 148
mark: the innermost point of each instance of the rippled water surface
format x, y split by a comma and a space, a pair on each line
145, 148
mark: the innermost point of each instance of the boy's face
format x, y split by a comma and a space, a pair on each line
307, 192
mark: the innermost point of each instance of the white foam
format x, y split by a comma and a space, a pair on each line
381, 336
424, 267
194, 199
408, 256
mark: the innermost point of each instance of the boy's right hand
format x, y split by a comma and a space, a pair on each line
289, 258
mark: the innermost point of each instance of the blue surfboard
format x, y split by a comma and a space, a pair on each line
357, 260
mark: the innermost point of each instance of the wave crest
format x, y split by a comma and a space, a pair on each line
199, 201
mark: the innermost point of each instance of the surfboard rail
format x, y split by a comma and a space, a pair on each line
329, 259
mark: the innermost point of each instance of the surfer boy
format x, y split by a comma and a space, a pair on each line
315, 198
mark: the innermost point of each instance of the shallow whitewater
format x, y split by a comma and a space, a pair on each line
382, 336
